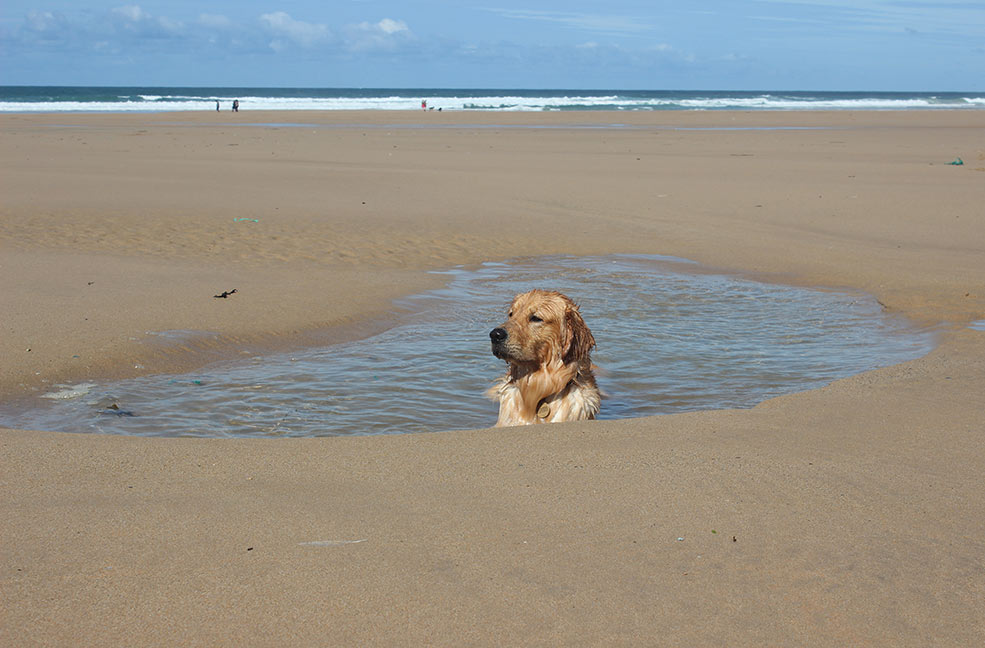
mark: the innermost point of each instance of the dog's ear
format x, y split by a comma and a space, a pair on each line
578, 340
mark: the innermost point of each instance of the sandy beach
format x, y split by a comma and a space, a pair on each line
852, 515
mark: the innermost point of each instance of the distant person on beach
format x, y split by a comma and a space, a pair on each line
217, 105
424, 104
235, 105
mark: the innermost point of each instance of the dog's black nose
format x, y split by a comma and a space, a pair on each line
497, 335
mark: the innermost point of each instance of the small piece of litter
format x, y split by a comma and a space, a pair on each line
225, 294
330, 543
680, 539
957, 162
250, 220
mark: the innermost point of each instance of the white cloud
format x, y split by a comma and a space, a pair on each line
134, 19
944, 18
386, 26
392, 26
44, 21
132, 13
386, 35
600, 23
298, 32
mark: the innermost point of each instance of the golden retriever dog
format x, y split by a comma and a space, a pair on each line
546, 344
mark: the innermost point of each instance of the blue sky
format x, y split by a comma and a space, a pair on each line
619, 44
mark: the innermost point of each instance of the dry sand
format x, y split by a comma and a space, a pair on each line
849, 515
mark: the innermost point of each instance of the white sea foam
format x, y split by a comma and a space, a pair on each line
69, 392
404, 100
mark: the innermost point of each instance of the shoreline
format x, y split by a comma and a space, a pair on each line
831, 118
846, 515
204, 351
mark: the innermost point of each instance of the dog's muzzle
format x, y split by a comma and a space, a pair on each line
498, 337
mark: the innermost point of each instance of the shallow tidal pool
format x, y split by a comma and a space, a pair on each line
669, 340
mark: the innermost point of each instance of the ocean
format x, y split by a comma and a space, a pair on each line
162, 99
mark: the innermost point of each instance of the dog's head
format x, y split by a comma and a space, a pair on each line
542, 328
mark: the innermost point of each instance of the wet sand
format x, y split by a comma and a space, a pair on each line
850, 515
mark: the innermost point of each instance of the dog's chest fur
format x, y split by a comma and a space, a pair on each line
579, 400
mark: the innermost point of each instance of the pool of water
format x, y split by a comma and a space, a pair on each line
669, 340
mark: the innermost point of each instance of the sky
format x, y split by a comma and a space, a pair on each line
904, 45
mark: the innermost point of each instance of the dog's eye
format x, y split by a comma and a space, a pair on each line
534, 318
510, 314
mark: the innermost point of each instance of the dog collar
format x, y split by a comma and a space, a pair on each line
544, 409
